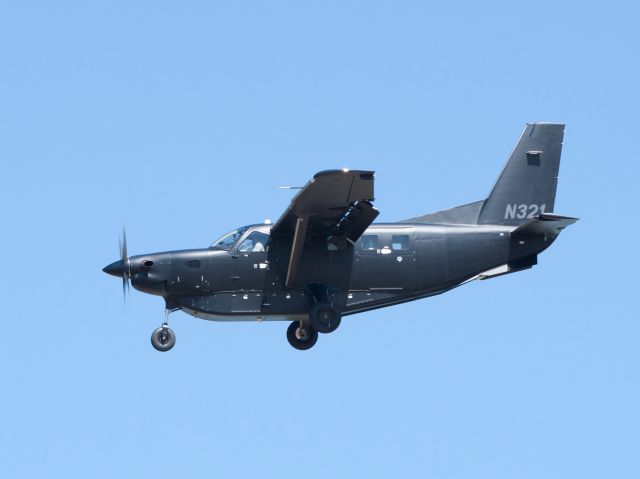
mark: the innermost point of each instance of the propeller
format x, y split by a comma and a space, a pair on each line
126, 264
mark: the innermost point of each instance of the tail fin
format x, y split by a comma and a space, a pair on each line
527, 185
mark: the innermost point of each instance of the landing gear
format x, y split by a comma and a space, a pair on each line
301, 336
324, 317
163, 338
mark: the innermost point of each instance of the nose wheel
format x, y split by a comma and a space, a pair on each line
163, 338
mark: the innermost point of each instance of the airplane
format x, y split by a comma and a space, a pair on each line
324, 258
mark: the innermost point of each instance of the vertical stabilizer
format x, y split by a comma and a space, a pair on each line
527, 185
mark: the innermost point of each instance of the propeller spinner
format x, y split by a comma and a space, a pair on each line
121, 268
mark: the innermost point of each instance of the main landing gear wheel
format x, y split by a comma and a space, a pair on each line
301, 337
324, 317
163, 338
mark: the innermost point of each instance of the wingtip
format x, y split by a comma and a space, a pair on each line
364, 174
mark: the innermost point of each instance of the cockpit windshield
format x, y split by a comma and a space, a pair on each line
227, 241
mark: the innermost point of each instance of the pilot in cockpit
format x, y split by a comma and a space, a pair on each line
256, 242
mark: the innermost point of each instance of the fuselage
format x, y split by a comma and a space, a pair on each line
389, 264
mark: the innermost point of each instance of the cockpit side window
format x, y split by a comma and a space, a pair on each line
256, 242
227, 241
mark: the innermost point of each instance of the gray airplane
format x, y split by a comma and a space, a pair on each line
324, 258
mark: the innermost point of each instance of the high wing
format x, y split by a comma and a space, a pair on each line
335, 203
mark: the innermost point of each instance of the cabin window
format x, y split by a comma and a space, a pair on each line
400, 242
369, 242
256, 242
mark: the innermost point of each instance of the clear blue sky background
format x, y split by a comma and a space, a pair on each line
181, 119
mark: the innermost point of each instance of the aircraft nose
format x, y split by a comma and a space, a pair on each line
115, 269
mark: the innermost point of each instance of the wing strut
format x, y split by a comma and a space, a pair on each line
299, 236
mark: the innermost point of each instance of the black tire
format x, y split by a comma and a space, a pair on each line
163, 338
305, 342
325, 318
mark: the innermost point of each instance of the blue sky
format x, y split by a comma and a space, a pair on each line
181, 119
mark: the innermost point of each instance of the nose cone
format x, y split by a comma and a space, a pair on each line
115, 269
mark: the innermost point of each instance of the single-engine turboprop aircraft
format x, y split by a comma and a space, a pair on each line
325, 259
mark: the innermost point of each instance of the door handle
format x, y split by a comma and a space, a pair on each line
234, 277
234, 256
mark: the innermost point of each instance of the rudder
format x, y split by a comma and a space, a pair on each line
527, 185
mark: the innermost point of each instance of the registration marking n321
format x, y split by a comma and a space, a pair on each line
523, 211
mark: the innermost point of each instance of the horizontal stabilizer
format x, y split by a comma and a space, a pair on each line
547, 224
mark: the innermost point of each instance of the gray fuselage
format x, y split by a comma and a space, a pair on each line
389, 264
